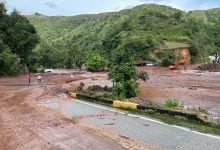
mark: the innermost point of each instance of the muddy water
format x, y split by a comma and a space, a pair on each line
52, 105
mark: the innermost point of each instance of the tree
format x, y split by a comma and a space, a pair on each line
2, 10
178, 15
124, 77
75, 57
9, 64
22, 36
122, 73
95, 62
78, 58
17, 40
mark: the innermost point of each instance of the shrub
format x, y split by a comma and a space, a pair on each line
91, 93
127, 89
172, 103
81, 85
166, 61
108, 96
107, 89
119, 92
150, 111
130, 88
95, 88
143, 76
33, 68
198, 109
100, 88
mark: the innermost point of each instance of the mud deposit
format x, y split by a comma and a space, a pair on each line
25, 124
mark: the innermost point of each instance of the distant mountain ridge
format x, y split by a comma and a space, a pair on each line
141, 29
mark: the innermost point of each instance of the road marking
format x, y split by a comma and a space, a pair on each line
148, 119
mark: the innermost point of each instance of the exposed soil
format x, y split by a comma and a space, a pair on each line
192, 87
25, 124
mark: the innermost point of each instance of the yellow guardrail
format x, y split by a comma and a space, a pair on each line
126, 105
73, 95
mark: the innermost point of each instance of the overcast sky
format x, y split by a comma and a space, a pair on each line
75, 7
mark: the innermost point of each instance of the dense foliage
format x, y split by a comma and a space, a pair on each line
124, 78
141, 32
95, 62
17, 40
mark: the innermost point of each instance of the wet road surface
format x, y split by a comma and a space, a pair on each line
164, 136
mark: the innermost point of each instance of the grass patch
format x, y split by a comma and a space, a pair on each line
172, 103
198, 109
174, 45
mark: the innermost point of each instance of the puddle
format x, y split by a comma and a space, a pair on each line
71, 108
51, 105
65, 107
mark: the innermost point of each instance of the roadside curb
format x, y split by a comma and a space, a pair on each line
125, 105
73, 95
134, 106
94, 99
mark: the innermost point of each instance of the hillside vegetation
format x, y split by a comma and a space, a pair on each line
132, 34
17, 40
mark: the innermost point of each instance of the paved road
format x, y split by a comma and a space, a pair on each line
164, 136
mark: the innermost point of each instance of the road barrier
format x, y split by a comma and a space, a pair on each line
73, 95
125, 105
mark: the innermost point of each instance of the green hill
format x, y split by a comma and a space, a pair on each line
139, 31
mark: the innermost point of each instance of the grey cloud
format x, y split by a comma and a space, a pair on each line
52, 5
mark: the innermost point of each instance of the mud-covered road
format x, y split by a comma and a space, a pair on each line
25, 124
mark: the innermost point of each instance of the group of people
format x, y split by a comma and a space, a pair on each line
39, 78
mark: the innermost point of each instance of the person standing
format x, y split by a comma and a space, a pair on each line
39, 79
29, 79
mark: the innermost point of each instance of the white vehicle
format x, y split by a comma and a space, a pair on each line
214, 59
